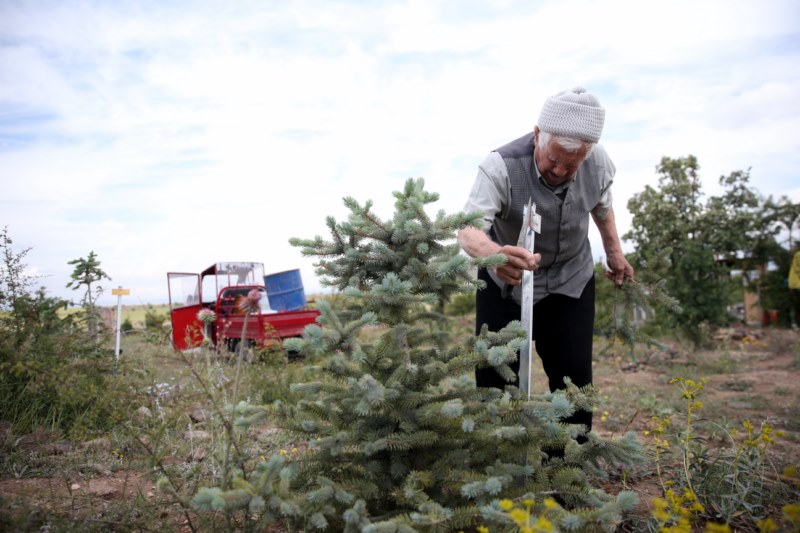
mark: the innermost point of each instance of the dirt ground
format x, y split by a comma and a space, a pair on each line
751, 375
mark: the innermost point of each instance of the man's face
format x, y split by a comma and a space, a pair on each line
557, 165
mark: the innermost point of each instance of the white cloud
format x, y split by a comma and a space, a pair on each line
169, 135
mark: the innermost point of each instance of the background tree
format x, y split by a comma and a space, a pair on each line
86, 273
784, 217
735, 230
14, 282
785, 214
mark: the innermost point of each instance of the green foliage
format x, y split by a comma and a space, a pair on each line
86, 273
733, 231
629, 314
772, 286
14, 283
461, 304
52, 374
401, 439
700, 283
153, 320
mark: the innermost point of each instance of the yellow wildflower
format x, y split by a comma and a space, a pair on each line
767, 525
712, 527
543, 524
506, 505
660, 510
519, 516
792, 512
550, 503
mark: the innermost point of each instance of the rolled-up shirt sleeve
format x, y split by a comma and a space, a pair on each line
606, 199
489, 194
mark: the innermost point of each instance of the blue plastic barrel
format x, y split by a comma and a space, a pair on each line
285, 290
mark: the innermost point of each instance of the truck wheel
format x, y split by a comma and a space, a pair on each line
231, 344
294, 355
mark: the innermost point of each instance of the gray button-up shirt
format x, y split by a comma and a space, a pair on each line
508, 177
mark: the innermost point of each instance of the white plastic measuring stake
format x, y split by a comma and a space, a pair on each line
531, 225
119, 293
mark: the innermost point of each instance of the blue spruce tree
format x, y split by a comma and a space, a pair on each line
400, 437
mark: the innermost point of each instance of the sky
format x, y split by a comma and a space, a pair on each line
169, 135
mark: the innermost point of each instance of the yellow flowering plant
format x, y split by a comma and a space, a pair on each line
731, 486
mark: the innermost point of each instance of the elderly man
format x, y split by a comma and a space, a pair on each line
568, 176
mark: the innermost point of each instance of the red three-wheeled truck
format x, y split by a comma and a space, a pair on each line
220, 288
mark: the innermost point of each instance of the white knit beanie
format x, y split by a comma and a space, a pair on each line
575, 114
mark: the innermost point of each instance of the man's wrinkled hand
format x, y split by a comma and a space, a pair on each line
618, 269
519, 259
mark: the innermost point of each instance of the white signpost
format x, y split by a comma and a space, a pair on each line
119, 293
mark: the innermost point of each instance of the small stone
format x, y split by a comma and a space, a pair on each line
75, 486
103, 489
103, 443
196, 434
143, 412
34, 441
58, 448
95, 468
197, 414
197, 455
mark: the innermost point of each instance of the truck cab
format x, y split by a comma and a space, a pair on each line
220, 288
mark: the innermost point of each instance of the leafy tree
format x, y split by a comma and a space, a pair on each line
86, 273
784, 217
668, 216
401, 438
13, 281
733, 225
785, 214
735, 230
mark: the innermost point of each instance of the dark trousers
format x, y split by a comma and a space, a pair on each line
562, 329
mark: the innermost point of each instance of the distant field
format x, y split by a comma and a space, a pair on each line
136, 313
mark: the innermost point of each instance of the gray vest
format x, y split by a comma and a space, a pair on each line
564, 244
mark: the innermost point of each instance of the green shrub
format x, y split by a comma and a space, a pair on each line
153, 320
53, 372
